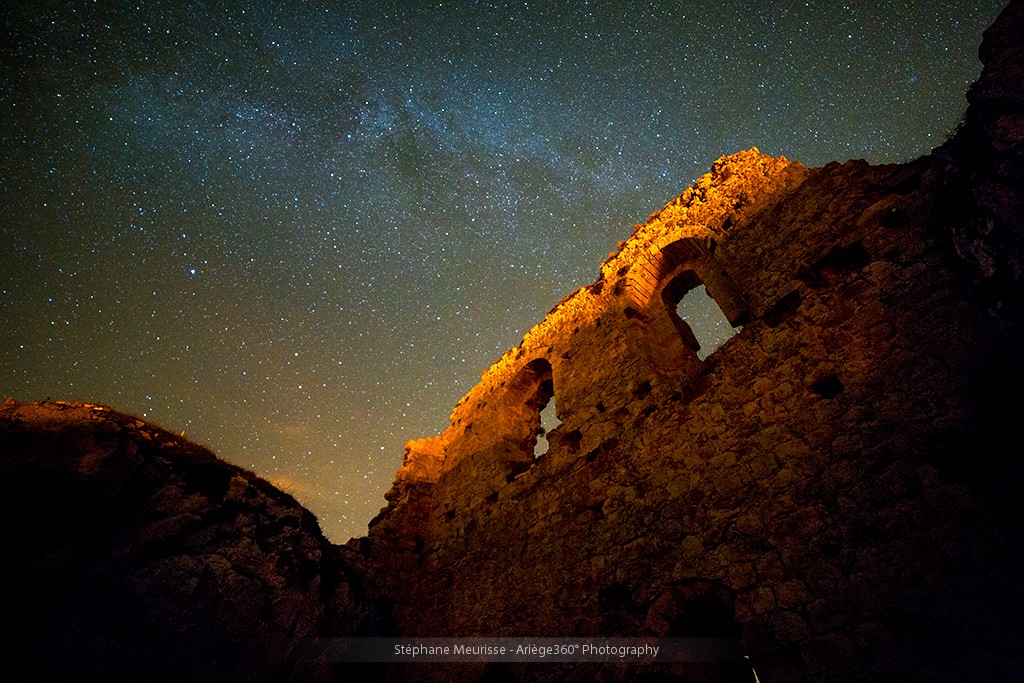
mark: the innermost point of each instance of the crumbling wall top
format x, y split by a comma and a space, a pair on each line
698, 220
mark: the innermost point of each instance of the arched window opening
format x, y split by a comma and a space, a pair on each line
548, 420
698, 318
531, 409
701, 312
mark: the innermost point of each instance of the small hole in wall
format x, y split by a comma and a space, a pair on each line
632, 313
828, 387
642, 389
894, 217
706, 320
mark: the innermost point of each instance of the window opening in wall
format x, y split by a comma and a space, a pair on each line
706, 320
548, 420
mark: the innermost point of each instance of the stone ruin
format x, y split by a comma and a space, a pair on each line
836, 486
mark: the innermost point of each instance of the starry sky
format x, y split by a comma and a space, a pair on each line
299, 231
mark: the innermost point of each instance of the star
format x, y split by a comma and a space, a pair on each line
301, 235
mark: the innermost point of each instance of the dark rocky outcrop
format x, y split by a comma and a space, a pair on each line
986, 161
134, 554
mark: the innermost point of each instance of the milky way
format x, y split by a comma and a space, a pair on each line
298, 232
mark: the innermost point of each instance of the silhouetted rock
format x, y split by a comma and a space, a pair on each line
133, 554
986, 204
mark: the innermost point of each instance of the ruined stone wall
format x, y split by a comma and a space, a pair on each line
813, 484
837, 486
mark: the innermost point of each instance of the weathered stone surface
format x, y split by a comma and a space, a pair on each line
988, 154
836, 471
835, 487
133, 554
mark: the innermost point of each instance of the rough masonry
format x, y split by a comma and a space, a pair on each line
837, 486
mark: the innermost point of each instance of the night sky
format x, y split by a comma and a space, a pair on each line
300, 231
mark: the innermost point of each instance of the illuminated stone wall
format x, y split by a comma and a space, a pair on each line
830, 484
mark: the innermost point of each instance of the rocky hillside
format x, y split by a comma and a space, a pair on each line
134, 554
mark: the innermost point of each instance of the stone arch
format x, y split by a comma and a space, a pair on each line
530, 391
659, 266
647, 276
525, 383
660, 280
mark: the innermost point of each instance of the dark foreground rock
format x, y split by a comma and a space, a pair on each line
134, 554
